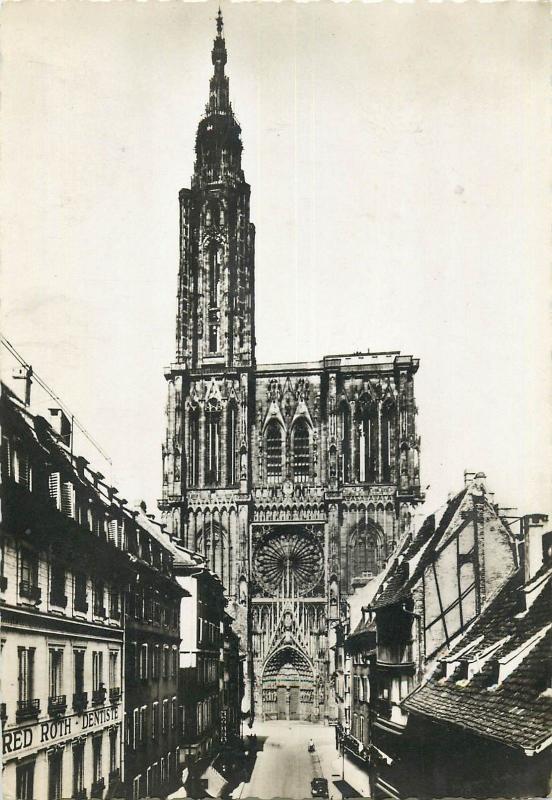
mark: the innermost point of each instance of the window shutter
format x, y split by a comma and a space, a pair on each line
112, 532
53, 485
68, 499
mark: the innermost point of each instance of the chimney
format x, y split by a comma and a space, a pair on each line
533, 549
61, 424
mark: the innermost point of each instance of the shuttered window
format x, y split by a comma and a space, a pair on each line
54, 488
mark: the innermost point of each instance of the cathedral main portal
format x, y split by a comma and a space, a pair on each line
289, 625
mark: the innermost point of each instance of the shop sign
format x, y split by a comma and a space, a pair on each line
53, 731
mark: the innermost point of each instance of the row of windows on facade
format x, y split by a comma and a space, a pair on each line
367, 447
151, 662
148, 722
57, 761
29, 588
207, 670
156, 776
28, 706
79, 506
146, 606
208, 632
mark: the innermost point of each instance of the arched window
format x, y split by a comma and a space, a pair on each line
366, 550
345, 442
387, 425
214, 296
273, 452
367, 442
301, 451
193, 447
212, 445
214, 274
231, 440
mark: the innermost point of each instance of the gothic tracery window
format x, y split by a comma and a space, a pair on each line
193, 447
212, 444
367, 441
345, 442
387, 425
366, 556
231, 443
273, 452
215, 259
301, 451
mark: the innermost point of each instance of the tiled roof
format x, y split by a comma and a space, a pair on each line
517, 710
399, 582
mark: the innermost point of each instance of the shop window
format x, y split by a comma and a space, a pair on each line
97, 758
55, 775
78, 769
24, 780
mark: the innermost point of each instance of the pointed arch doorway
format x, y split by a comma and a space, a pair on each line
288, 686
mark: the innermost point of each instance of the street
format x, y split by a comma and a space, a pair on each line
284, 767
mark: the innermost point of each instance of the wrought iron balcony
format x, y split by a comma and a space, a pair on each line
80, 701
97, 788
98, 696
57, 705
115, 695
27, 709
59, 600
30, 591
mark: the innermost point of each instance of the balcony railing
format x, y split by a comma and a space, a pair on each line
97, 788
98, 696
80, 701
30, 591
57, 704
27, 709
115, 695
58, 600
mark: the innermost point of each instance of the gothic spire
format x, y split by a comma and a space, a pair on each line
219, 101
218, 140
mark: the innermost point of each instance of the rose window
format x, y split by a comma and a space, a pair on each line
288, 563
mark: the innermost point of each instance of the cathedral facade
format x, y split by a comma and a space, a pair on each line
295, 481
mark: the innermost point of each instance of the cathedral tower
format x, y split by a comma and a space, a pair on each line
294, 481
215, 323
206, 462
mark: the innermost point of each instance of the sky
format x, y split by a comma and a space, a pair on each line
398, 156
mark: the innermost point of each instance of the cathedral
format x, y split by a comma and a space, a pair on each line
294, 481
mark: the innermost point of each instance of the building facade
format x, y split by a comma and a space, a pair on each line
152, 640
435, 587
62, 569
295, 481
483, 720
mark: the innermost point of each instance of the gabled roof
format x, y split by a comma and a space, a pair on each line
516, 710
412, 558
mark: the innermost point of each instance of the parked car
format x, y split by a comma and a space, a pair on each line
319, 787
